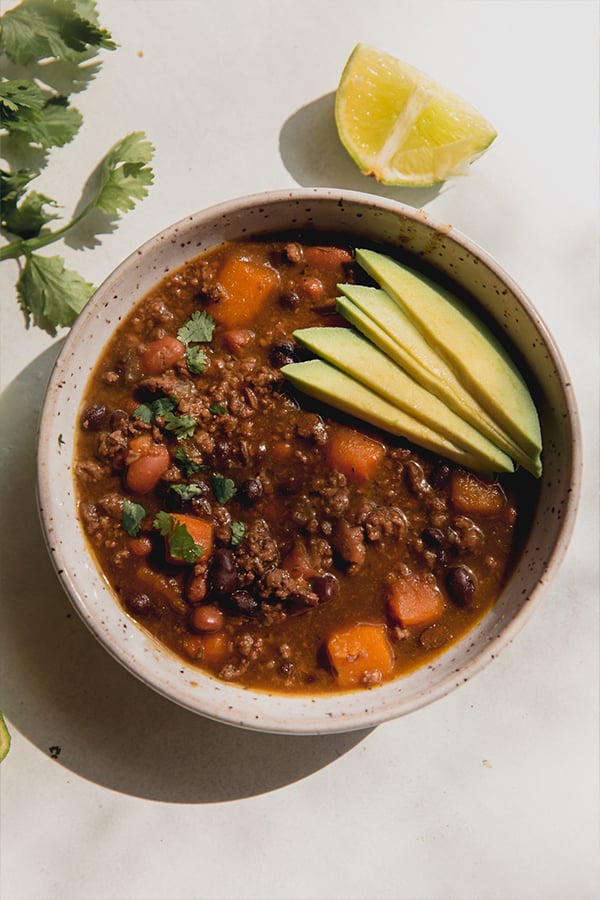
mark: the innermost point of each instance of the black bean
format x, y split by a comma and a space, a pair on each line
250, 491
282, 354
434, 538
290, 300
243, 601
93, 417
139, 604
460, 583
439, 476
223, 571
326, 586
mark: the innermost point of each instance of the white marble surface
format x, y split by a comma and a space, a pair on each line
110, 792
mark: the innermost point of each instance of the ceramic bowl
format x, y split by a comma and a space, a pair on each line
363, 216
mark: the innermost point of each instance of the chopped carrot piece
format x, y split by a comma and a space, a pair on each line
414, 601
360, 654
209, 648
199, 530
327, 257
475, 497
353, 453
281, 450
247, 285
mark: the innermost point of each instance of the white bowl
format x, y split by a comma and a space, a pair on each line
363, 216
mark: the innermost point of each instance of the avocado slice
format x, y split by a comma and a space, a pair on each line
479, 360
358, 357
376, 315
323, 381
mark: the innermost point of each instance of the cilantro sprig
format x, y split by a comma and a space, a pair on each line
198, 329
163, 407
42, 43
180, 542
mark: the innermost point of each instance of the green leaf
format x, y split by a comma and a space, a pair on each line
29, 217
187, 465
181, 426
4, 738
181, 544
148, 412
217, 409
133, 516
18, 94
13, 184
54, 125
198, 329
224, 488
188, 491
144, 413
163, 523
65, 29
196, 360
124, 174
50, 294
238, 531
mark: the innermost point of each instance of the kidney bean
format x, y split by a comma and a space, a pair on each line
327, 257
223, 453
434, 537
206, 619
140, 546
161, 354
311, 287
223, 571
460, 583
250, 491
290, 300
93, 417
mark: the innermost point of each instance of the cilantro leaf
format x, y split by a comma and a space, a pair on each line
198, 329
133, 516
238, 531
50, 294
217, 409
224, 488
124, 174
29, 217
181, 544
163, 523
38, 29
187, 465
144, 413
188, 491
13, 184
17, 95
181, 426
148, 412
196, 360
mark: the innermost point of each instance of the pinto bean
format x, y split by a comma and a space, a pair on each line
143, 473
161, 354
206, 619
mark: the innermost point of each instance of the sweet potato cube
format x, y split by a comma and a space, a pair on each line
473, 496
247, 286
200, 531
360, 654
414, 601
354, 454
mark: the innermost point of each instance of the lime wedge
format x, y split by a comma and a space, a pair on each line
402, 127
4, 738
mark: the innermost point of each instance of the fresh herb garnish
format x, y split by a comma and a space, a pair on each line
196, 360
238, 531
181, 426
224, 488
186, 465
188, 491
37, 37
181, 544
217, 409
149, 412
198, 329
133, 516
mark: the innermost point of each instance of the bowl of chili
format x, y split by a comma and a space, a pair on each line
266, 532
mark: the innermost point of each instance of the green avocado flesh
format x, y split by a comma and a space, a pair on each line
380, 319
324, 382
478, 360
365, 363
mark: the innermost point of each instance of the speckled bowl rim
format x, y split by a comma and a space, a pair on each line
86, 587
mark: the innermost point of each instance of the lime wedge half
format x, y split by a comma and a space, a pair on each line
402, 127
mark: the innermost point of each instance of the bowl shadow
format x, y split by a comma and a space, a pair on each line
70, 698
313, 154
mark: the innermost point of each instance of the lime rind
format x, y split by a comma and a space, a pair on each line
4, 738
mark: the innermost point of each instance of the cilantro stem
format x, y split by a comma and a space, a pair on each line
30, 245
